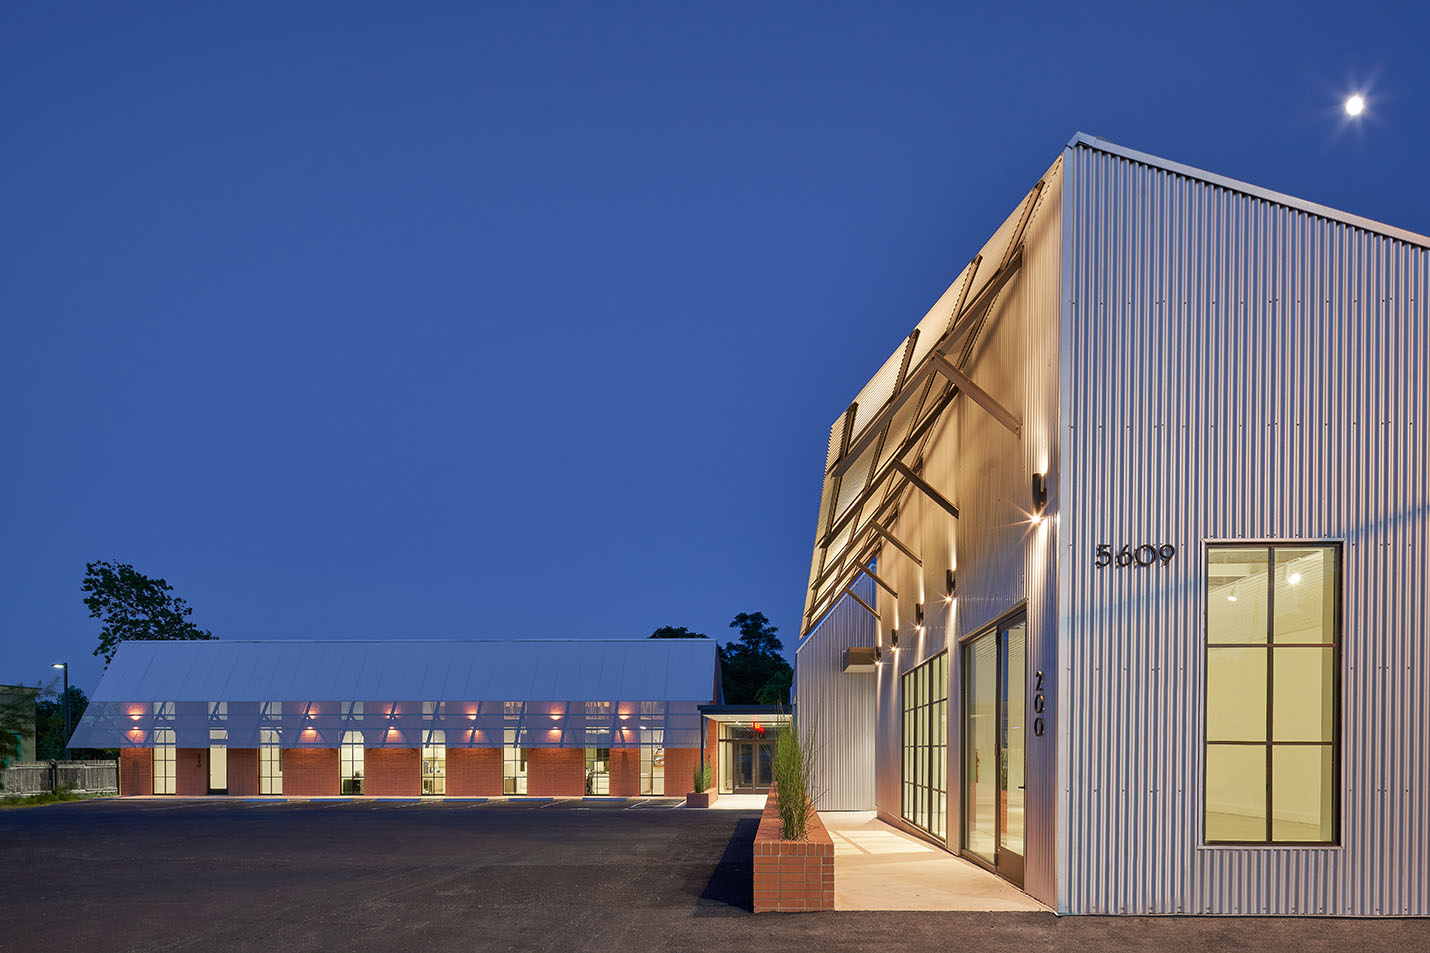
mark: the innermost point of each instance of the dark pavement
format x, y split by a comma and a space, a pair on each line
390, 877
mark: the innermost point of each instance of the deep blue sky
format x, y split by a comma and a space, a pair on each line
478, 321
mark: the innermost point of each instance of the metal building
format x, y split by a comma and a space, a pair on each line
1139, 511
425, 717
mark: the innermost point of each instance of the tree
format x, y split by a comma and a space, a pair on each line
134, 607
672, 632
50, 738
753, 672
17, 722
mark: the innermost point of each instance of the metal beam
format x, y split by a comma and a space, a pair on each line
855, 596
885, 416
922, 428
977, 394
929, 491
875, 576
874, 525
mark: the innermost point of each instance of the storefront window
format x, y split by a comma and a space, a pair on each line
598, 770
351, 757
434, 762
1272, 693
925, 693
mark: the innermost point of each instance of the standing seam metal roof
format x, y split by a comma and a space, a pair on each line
411, 670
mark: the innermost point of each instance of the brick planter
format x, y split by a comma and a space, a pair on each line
702, 799
792, 876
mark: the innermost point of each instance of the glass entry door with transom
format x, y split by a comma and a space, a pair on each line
994, 713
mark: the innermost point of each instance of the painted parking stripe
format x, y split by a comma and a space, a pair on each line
465, 800
530, 800
618, 800
638, 803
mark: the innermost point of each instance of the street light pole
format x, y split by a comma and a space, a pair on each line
65, 699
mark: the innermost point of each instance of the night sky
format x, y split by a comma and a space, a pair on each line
471, 321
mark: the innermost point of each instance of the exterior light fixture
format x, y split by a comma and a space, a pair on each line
894, 637
950, 585
1040, 493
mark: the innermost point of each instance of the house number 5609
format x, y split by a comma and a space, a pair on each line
1147, 554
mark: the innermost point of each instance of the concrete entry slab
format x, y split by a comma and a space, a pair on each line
879, 867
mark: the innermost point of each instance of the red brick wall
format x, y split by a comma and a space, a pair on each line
243, 771
556, 772
474, 772
680, 770
136, 771
310, 772
392, 772
191, 771
792, 876
625, 772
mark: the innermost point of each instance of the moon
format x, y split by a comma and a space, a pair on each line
1355, 105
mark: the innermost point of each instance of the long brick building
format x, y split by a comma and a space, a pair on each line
437, 718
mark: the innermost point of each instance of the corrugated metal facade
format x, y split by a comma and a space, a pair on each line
1001, 559
839, 707
1235, 367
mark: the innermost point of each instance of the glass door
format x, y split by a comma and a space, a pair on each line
994, 714
218, 760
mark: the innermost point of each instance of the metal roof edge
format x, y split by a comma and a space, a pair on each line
1246, 188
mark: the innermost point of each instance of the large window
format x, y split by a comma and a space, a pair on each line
1272, 694
652, 761
270, 761
926, 745
351, 758
598, 770
513, 763
163, 761
434, 762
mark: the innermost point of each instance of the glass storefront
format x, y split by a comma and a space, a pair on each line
994, 746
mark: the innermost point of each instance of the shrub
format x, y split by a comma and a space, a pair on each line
794, 771
704, 777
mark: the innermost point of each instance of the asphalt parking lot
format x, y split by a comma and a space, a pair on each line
563, 875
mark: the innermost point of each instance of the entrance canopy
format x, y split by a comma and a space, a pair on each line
876, 446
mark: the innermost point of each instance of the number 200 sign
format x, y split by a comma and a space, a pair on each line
1144, 555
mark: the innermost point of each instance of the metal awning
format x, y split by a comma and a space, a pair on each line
876, 446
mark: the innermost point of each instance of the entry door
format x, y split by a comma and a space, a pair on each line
995, 677
218, 760
754, 767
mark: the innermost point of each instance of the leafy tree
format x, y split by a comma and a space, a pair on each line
17, 720
753, 672
50, 735
672, 632
134, 607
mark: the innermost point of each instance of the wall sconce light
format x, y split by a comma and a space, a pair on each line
919, 616
950, 585
894, 637
1040, 492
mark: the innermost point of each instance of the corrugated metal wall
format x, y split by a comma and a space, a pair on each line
839, 708
1001, 559
1236, 368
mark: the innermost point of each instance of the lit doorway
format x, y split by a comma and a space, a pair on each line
994, 747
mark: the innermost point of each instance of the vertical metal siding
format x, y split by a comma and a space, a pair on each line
839, 708
1001, 559
1236, 368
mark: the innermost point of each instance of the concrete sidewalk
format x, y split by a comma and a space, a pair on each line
878, 867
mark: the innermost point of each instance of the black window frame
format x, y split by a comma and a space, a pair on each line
1338, 637
929, 709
